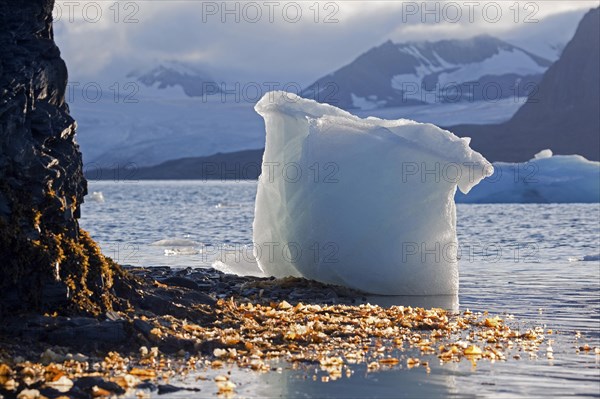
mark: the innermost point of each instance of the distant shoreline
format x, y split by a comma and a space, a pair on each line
238, 165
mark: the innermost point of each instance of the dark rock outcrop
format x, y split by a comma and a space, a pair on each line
563, 114
47, 262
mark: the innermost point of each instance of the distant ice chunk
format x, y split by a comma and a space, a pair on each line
543, 154
586, 258
175, 242
96, 196
181, 251
547, 178
365, 203
226, 205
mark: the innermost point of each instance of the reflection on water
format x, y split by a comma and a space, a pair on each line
449, 302
396, 383
514, 260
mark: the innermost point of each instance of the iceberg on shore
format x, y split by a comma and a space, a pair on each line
546, 178
365, 203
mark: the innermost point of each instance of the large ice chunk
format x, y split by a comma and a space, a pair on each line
547, 178
365, 203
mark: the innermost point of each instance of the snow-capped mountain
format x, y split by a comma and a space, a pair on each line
418, 73
175, 110
173, 115
194, 81
167, 111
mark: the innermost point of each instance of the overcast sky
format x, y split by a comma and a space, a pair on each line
285, 41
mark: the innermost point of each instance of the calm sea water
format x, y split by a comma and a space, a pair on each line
525, 260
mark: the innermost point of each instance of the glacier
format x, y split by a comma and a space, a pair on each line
165, 124
365, 203
547, 178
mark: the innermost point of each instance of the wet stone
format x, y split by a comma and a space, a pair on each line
180, 282
87, 384
168, 388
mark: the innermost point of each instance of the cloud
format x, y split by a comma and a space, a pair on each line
269, 40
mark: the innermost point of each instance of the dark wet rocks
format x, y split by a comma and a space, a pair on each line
88, 385
168, 388
48, 263
160, 295
83, 333
219, 285
161, 303
178, 281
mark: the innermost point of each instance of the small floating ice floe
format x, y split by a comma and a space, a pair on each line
181, 251
365, 203
178, 246
226, 205
175, 242
586, 258
96, 196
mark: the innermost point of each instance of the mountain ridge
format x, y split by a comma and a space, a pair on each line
517, 140
171, 74
423, 72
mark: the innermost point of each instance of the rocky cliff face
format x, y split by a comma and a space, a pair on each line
46, 260
569, 90
562, 114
